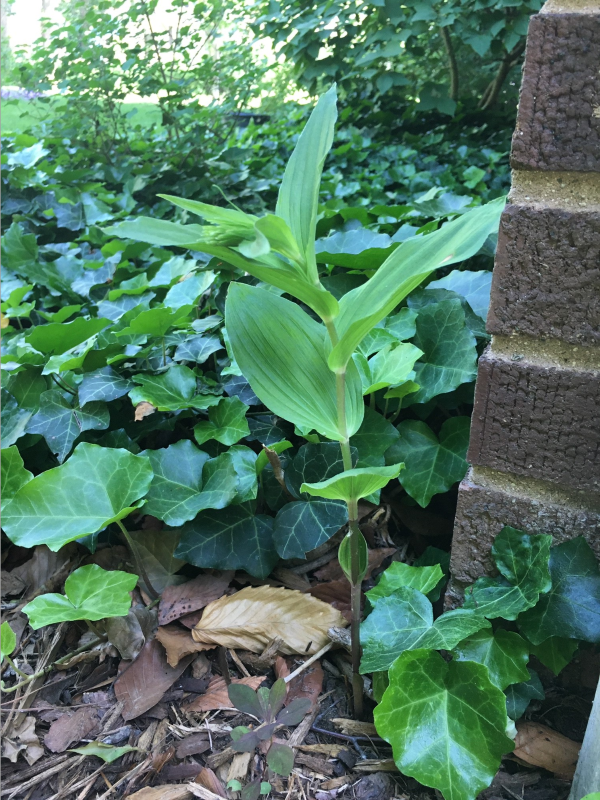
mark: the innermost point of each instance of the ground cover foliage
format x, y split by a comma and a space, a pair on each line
126, 419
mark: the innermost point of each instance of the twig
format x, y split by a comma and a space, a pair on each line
452, 63
128, 775
238, 663
22, 787
309, 661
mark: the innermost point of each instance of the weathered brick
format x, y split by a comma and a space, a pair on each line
538, 421
547, 275
558, 127
483, 511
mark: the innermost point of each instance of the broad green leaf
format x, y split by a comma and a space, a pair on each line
353, 483
107, 752
404, 621
155, 321
280, 238
172, 270
14, 475
402, 325
8, 640
158, 231
13, 419
362, 308
572, 606
504, 653
18, 249
27, 386
446, 723
197, 348
301, 526
231, 538
188, 291
522, 560
244, 461
90, 593
473, 286
94, 487
103, 384
60, 423
375, 341
432, 465
298, 198
226, 423
282, 353
172, 390
136, 285
423, 579
430, 557
449, 350
519, 695
58, 337
390, 366
592, 796
314, 462
155, 550
177, 492
360, 248
373, 438
280, 758
555, 652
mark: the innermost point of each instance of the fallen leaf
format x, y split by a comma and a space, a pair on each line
21, 737
208, 780
191, 620
543, 747
71, 728
144, 681
107, 752
142, 410
332, 571
156, 549
308, 684
216, 695
193, 745
249, 620
177, 601
12, 585
126, 634
178, 643
173, 792
336, 593
46, 570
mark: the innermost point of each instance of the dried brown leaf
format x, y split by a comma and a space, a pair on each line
177, 601
543, 747
20, 736
309, 684
46, 570
193, 745
126, 634
70, 729
142, 683
142, 410
216, 695
173, 792
178, 643
337, 594
250, 619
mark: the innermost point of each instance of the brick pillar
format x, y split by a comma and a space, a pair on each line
535, 433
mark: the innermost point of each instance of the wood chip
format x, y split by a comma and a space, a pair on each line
543, 747
329, 750
238, 768
193, 745
318, 765
376, 765
353, 727
168, 792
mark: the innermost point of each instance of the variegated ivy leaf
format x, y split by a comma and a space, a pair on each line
315, 462
423, 579
172, 390
14, 474
301, 526
519, 695
103, 384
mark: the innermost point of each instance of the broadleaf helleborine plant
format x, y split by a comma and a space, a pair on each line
301, 369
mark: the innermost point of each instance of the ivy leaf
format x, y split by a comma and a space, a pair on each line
155, 550
555, 652
231, 538
107, 752
188, 291
13, 419
226, 423
173, 390
172, 270
456, 710
90, 593
155, 321
390, 366
136, 285
353, 483
504, 653
14, 474
58, 337
8, 640
360, 248
244, 464
267, 429
103, 384
96, 486
177, 492
572, 606
301, 526
522, 560
473, 286
60, 424
423, 579
519, 695
402, 325
27, 386
449, 347
372, 439
197, 348
314, 462
432, 465
404, 621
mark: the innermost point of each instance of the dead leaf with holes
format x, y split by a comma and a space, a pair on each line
178, 643
185, 598
251, 618
217, 696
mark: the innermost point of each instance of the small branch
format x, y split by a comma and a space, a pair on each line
62, 385
452, 62
308, 662
509, 61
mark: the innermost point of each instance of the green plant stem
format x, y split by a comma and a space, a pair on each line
355, 534
15, 668
138, 564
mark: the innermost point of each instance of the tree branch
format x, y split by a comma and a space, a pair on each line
452, 62
509, 61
